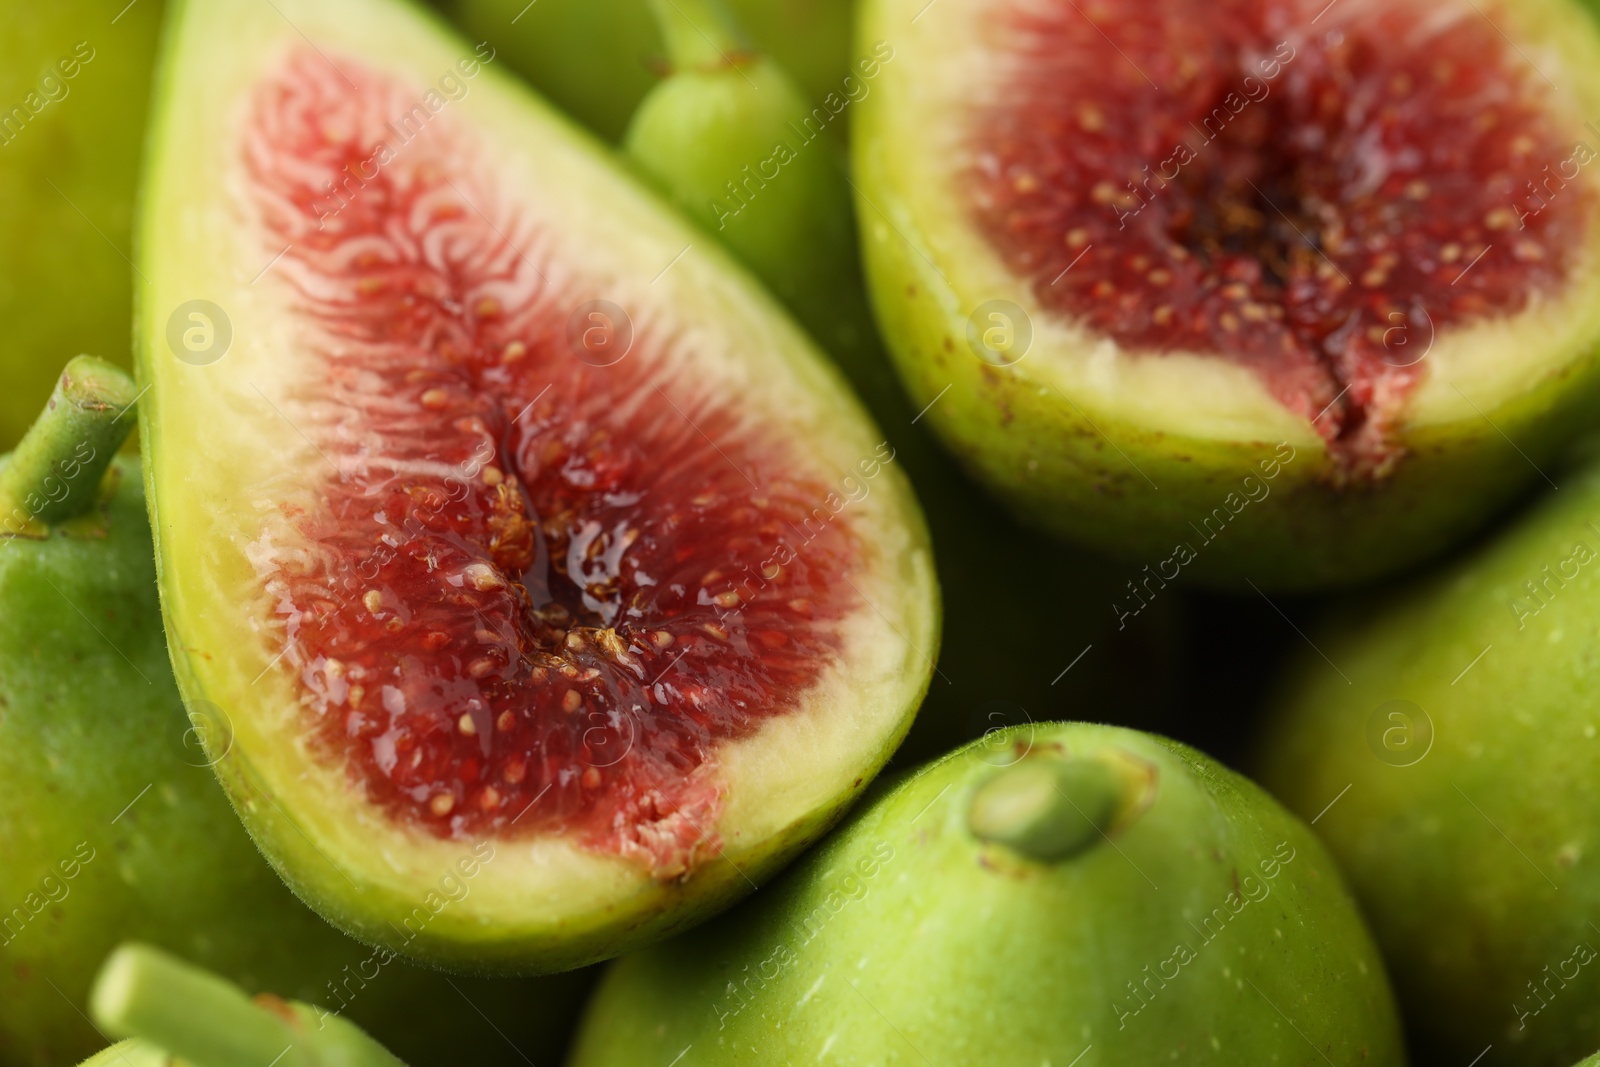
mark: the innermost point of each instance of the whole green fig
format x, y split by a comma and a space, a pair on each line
731, 138
1450, 739
113, 826
596, 59
74, 85
1062, 893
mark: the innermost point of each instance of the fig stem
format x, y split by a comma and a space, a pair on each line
700, 34
1046, 808
207, 1021
55, 472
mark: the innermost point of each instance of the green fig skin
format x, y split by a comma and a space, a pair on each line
905, 939
67, 178
706, 126
596, 59
700, 129
115, 827
145, 993
1225, 513
129, 1054
1468, 831
544, 900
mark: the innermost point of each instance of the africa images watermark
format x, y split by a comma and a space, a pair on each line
852, 887
1254, 90
453, 887
742, 190
51, 889
54, 488
1251, 490
51, 88
1552, 183
1582, 954
854, 490
403, 130
1541, 591
1250, 890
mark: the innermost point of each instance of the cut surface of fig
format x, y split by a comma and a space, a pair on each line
531, 531
567, 586
1306, 187
1347, 251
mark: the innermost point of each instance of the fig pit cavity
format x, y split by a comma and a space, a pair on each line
522, 591
1311, 191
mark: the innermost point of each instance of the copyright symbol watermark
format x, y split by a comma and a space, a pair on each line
599, 332
199, 332
999, 332
209, 738
1407, 339
1001, 743
1399, 733
605, 739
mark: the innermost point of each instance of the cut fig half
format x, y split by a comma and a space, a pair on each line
1270, 290
553, 588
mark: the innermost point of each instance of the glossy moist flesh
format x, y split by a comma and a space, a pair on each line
540, 574
1311, 190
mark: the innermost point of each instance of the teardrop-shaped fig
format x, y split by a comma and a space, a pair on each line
557, 589
1053, 893
113, 825
74, 93
1276, 292
1450, 734
597, 59
736, 146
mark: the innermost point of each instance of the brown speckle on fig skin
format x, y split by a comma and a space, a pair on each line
279, 1007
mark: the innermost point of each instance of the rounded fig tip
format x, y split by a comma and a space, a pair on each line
1046, 807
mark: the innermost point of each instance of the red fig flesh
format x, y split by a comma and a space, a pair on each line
1300, 193
535, 534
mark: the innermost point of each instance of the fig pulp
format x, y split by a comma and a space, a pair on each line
74, 85
113, 827
730, 138
529, 548
1047, 890
1459, 734
1263, 291
597, 59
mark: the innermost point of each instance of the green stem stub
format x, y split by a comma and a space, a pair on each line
209, 1022
700, 34
55, 473
1047, 808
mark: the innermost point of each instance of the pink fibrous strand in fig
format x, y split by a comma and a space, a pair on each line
1313, 191
539, 590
